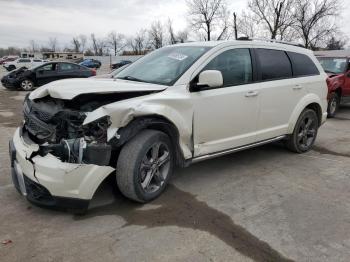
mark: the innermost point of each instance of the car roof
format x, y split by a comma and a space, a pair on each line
268, 43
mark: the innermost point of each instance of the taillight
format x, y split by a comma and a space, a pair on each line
93, 72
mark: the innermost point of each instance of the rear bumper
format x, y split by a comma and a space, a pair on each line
47, 181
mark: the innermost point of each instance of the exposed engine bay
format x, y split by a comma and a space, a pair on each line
57, 126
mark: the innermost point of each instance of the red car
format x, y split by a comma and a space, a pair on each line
338, 70
7, 59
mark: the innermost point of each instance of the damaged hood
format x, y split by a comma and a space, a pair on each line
71, 88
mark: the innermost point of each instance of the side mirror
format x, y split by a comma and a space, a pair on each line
208, 79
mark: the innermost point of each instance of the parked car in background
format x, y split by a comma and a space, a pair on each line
7, 59
338, 81
23, 62
120, 64
178, 105
112, 74
91, 63
27, 79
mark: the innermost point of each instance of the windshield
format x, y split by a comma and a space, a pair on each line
163, 66
333, 65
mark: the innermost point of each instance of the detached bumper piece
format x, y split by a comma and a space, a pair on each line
38, 194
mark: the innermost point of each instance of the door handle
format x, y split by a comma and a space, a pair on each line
251, 94
297, 87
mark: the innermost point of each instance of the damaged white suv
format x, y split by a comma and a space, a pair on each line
177, 105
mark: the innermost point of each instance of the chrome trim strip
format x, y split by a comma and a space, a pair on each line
236, 149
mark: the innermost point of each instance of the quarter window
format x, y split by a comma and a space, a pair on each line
274, 64
302, 65
235, 66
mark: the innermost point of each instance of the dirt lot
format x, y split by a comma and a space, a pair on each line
264, 204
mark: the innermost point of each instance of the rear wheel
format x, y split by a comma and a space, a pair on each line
27, 85
333, 105
145, 165
305, 132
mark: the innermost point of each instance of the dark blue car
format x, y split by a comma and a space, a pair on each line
91, 63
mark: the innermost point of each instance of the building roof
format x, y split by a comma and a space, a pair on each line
333, 53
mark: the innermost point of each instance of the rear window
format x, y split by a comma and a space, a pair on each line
274, 64
302, 65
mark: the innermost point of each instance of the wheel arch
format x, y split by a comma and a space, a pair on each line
310, 101
155, 122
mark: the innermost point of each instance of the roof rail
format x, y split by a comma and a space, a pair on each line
277, 41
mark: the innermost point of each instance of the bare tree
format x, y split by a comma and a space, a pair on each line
76, 44
139, 43
247, 25
335, 43
33, 46
235, 29
94, 43
83, 40
277, 15
206, 15
182, 36
172, 36
53, 43
315, 20
116, 42
156, 35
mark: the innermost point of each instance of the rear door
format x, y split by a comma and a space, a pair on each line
68, 70
279, 92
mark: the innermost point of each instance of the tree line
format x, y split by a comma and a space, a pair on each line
312, 23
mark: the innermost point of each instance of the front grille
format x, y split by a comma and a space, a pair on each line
35, 122
37, 128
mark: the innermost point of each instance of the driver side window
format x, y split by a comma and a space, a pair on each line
235, 66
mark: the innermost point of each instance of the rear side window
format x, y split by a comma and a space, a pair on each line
302, 65
235, 66
274, 64
68, 67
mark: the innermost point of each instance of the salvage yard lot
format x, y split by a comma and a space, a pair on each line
263, 204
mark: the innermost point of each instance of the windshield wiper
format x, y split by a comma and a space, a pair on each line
131, 78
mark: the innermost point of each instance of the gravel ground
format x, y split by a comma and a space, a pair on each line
264, 204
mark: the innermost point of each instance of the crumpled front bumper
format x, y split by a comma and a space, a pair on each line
47, 181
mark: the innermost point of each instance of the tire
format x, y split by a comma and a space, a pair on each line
305, 132
333, 105
27, 85
145, 165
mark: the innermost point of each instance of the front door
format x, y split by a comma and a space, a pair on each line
226, 117
46, 74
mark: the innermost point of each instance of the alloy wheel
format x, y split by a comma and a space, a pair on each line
155, 167
27, 85
307, 131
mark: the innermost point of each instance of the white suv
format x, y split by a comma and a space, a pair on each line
176, 106
22, 62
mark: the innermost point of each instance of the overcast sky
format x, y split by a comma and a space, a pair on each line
24, 20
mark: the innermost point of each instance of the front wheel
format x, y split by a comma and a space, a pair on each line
333, 105
145, 165
305, 132
27, 85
